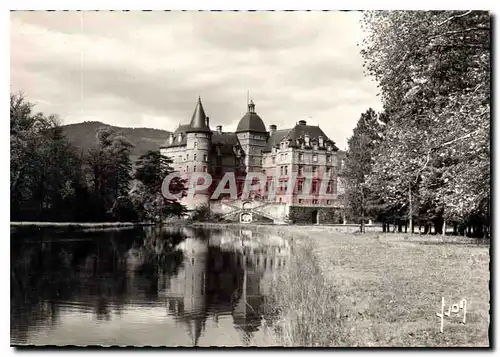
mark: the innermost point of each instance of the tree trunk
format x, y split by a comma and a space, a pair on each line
395, 226
362, 228
383, 227
444, 227
455, 228
406, 228
410, 214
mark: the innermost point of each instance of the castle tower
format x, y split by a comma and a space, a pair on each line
192, 286
198, 145
252, 135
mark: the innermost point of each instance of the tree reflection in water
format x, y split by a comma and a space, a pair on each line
194, 273
88, 270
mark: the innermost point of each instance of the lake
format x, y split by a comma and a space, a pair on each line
150, 286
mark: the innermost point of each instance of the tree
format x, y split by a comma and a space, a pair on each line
151, 170
44, 168
432, 68
362, 145
109, 168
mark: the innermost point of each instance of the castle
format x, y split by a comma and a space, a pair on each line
302, 150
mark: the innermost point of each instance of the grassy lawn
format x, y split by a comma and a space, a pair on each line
382, 290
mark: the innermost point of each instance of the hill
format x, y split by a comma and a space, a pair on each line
83, 136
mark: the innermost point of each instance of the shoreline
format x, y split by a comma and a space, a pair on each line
80, 224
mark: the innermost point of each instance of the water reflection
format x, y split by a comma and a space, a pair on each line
141, 287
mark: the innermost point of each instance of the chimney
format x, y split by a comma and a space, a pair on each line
272, 129
306, 138
302, 122
171, 138
208, 121
219, 129
321, 141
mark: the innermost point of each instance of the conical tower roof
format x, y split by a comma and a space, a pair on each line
199, 120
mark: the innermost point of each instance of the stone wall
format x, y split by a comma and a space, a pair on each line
324, 215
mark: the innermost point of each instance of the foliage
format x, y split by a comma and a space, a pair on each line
151, 170
432, 68
201, 213
52, 180
44, 167
362, 146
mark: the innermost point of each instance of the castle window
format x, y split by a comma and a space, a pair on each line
282, 145
300, 200
286, 170
195, 144
187, 168
314, 170
328, 158
301, 156
299, 187
342, 164
194, 158
187, 156
315, 158
194, 168
205, 158
204, 169
314, 186
329, 187
301, 170
315, 202
328, 202
329, 171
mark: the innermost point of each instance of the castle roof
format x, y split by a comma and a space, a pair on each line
199, 120
180, 129
251, 121
300, 130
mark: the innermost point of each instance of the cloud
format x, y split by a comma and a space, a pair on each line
148, 68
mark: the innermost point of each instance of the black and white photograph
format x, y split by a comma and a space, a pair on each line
250, 178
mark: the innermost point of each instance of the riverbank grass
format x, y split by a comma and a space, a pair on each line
382, 290
304, 305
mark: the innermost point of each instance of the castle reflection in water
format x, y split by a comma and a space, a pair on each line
224, 273
120, 284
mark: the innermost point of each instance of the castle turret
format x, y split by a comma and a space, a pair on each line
252, 135
198, 144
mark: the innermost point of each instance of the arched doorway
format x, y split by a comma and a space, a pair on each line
315, 217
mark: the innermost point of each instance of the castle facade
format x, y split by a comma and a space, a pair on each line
278, 154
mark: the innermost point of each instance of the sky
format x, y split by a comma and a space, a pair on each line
147, 69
